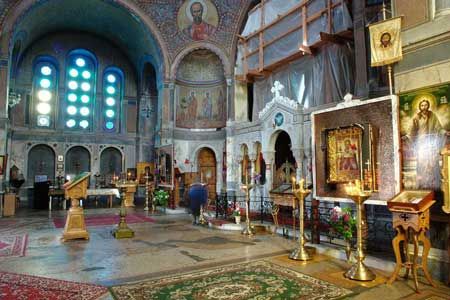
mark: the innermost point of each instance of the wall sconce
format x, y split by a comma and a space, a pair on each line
13, 98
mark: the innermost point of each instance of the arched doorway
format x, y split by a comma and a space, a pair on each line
41, 164
246, 168
78, 160
284, 160
110, 163
207, 170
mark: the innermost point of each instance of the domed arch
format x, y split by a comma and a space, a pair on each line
198, 46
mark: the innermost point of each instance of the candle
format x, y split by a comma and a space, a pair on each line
293, 183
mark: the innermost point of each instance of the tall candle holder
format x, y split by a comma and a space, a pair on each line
147, 182
359, 271
122, 230
248, 230
301, 252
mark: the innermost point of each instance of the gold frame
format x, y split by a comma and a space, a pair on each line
334, 138
445, 182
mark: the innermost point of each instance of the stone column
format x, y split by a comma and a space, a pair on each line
252, 158
269, 157
229, 100
219, 177
298, 155
4, 121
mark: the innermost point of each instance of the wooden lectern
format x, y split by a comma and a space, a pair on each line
411, 219
75, 190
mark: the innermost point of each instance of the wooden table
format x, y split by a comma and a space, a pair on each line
411, 223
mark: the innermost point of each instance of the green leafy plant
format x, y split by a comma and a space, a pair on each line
161, 198
236, 211
342, 222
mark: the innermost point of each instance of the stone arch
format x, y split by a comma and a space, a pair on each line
40, 153
22, 8
83, 156
197, 46
115, 155
201, 146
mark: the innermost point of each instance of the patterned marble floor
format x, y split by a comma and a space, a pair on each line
172, 245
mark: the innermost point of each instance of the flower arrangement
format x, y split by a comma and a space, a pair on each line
236, 210
161, 197
342, 222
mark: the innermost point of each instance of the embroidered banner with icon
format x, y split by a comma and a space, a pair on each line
385, 42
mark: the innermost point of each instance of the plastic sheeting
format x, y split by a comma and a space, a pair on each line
289, 44
311, 80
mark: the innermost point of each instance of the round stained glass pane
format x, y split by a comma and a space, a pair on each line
84, 124
73, 72
70, 123
73, 85
111, 78
43, 121
85, 98
71, 110
46, 70
110, 101
85, 86
80, 62
72, 97
45, 83
84, 111
110, 90
109, 125
43, 108
110, 113
86, 74
44, 95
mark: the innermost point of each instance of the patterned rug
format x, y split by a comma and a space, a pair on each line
103, 220
252, 280
17, 286
14, 245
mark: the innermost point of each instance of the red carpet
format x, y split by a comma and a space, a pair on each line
25, 287
13, 246
103, 220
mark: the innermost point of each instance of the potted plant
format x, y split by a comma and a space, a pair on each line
161, 198
343, 223
237, 214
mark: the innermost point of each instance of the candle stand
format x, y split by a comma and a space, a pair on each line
248, 230
359, 271
122, 230
301, 252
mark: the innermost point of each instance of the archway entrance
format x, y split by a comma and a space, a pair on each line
207, 170
110, 163
78, 160
284, 160
41, 164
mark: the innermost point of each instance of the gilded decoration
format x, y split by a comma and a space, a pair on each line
344, 154
424, 127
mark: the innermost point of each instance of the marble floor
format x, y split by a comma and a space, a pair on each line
172, 245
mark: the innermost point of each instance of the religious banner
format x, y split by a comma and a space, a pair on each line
385, 42
424, 126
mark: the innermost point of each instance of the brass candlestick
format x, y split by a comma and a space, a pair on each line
301, 252
248, 230
122, 230
359, 271
146, 191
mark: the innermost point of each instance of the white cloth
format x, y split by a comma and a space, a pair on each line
103, 192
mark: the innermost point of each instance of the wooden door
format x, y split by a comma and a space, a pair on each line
207, 171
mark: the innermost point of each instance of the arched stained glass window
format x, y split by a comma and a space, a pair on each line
112, 98
80, 90
45, 87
